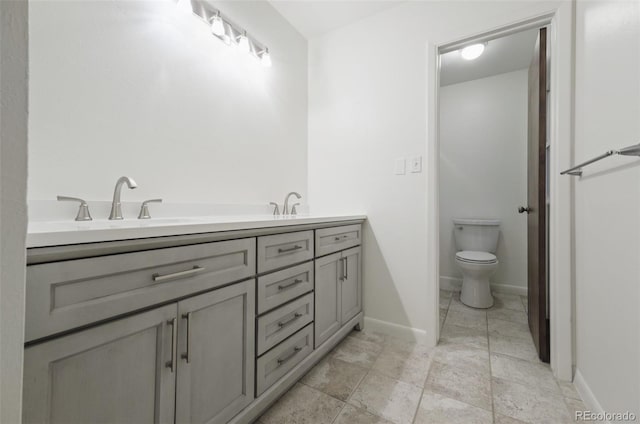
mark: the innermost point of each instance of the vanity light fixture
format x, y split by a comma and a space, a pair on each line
227, 31
243, 43
473, 51
217, 26
265, 57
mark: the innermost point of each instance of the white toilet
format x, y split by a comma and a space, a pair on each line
476, 242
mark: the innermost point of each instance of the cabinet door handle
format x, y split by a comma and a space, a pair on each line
341, 278
187, 354
281, 361
346, 268
290, 249
293, 283
177, 275
174, 334
290, 320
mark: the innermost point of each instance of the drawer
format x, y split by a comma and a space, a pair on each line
334, 239
280, 287
64, 295
281, 359
282, 250
277, 325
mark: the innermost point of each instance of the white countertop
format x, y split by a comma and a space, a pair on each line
57, 233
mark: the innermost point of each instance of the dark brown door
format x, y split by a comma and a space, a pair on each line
536, 195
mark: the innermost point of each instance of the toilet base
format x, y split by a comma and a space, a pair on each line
476, 293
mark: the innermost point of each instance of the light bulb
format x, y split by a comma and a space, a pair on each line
184, 6
265, 58
243, 43
472, 52
217, 26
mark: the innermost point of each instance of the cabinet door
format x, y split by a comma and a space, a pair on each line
216, 351
120, 372
351, 285
328, 314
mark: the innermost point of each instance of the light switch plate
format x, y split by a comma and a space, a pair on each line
416, 164
401, 166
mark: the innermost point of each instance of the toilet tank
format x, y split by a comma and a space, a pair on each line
476, 234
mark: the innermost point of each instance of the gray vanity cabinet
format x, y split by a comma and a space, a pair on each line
338, 292
215, 354
119, 372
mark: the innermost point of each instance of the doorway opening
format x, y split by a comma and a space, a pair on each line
493, 190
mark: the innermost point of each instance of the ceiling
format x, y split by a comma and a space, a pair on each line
313, 18
501, 55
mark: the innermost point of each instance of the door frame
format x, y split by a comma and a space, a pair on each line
561, 224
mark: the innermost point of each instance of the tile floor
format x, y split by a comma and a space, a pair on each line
485, 370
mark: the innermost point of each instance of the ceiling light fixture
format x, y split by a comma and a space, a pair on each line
473, 51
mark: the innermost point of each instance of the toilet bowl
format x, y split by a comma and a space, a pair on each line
476, 242
476, 268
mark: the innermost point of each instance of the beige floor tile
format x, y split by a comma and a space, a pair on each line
535, 406
503, 419
509, 329
455, 334
569, 390
508, 315
391, 399
465, 383
527, 373
410, 365
438, 409
574, 406
446, 294
352, 415
507, 301
357, 351
335, 377
466, 317
513, 346
444, 302
462, 355
303, 405
369, 336
443, 315
525, 303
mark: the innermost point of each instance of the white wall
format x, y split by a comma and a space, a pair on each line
367, 107
13, 206
607, 205
136, 88
483, 169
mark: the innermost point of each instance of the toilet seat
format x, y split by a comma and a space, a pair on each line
475, 257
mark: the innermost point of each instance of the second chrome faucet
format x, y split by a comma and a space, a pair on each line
285, 207
116, 207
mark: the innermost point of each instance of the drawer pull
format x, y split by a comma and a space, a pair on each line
177, 275
338, 238
291, 249
293, 283
281, 361
290, 320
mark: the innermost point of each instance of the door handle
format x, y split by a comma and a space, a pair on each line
346, 268
523, 209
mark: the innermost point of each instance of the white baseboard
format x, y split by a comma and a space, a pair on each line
586, 394
455, 284
395, 330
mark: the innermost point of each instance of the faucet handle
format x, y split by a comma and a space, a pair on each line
293, 209
144, 209
83, 210
276, 209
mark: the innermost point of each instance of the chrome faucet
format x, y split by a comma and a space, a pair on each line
116, 208
285, 208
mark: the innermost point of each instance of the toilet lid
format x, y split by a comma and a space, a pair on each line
476, 257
